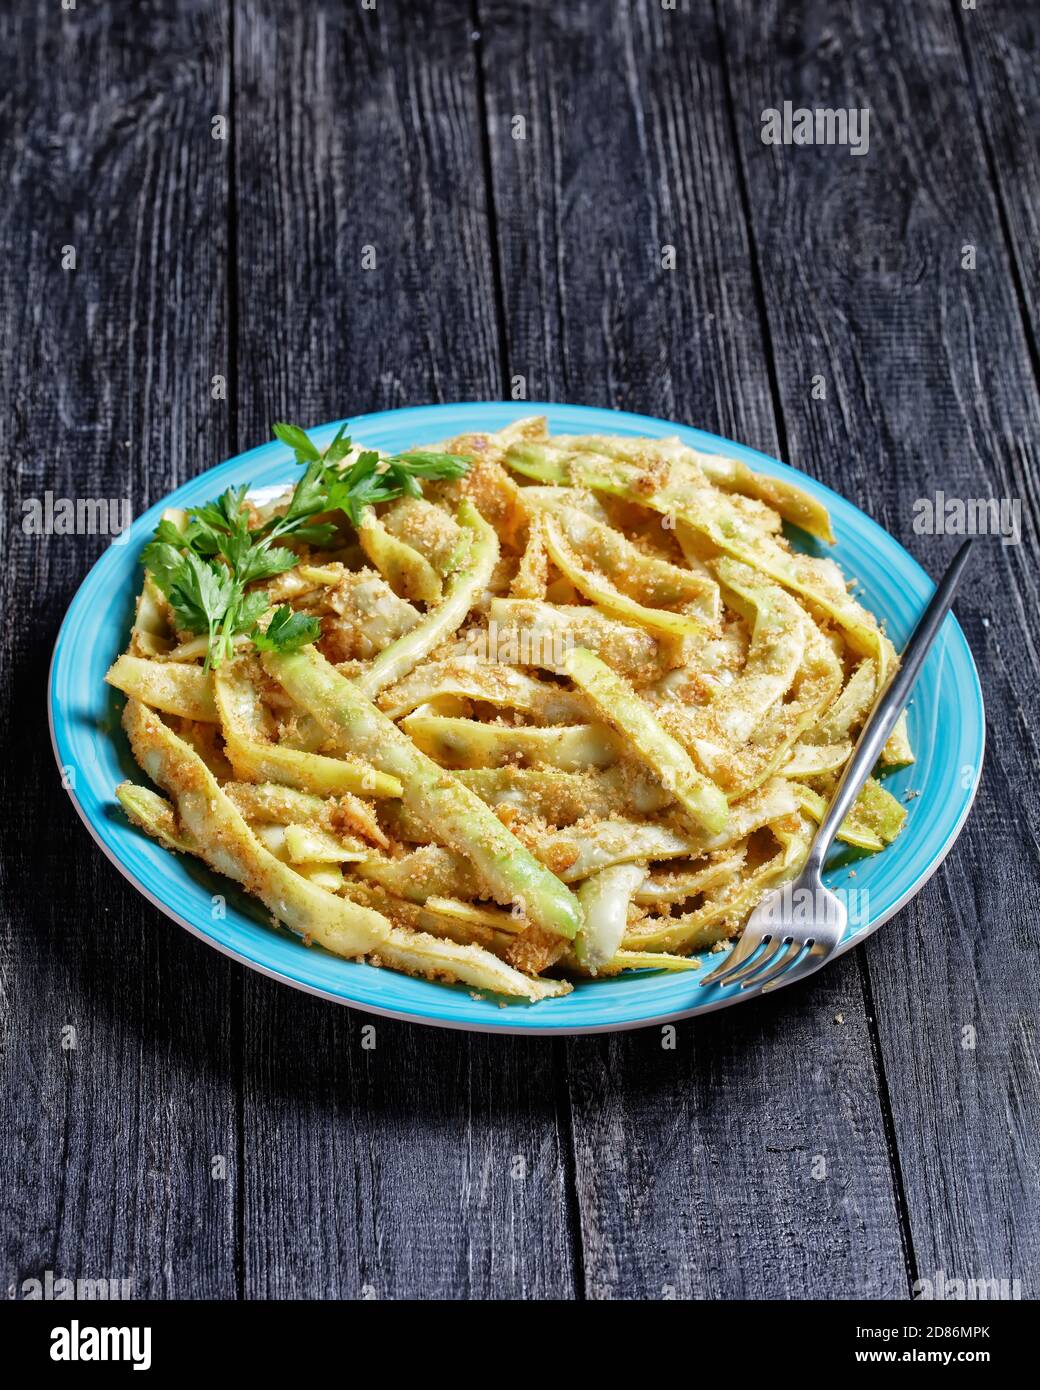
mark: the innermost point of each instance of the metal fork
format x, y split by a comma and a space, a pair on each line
797, 926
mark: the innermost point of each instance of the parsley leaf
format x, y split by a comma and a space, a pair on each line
287, 631
297, 439
163, 559
251, 609
421, 463
199, 594
263, 562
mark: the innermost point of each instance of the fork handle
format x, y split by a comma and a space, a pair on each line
888, 709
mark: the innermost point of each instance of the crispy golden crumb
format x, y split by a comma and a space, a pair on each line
743, 666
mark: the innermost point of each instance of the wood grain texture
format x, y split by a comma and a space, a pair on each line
625, 158
357, 138
104, 392
1000, 41
774, 1151
431, 1166
748, 1162
669, 1143
930, 386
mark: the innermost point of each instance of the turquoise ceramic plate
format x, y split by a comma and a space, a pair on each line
946, 726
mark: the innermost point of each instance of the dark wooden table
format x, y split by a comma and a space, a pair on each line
211, 1134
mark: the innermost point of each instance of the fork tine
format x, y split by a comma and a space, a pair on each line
807, 965
779, 963
775, 945
745, 948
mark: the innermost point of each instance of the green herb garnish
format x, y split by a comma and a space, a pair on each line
369, 479
204, 569
287, 631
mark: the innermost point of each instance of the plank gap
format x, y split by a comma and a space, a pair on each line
1021, 299
888, 1122
483, 125
572, 1206
754, 260
232, 238
238, 1008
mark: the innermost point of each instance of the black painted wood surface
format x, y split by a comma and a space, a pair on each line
524, 173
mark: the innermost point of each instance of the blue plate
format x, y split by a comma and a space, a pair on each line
947, 728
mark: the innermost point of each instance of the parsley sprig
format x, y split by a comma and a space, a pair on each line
206, 567
369, 479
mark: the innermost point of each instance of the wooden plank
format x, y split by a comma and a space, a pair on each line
430, 1166
999, 41
624, 160
929, 386
104, 392
390, 1161
363, 151
748, 1161
695, 1166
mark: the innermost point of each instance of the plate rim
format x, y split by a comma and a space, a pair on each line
727, 1000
